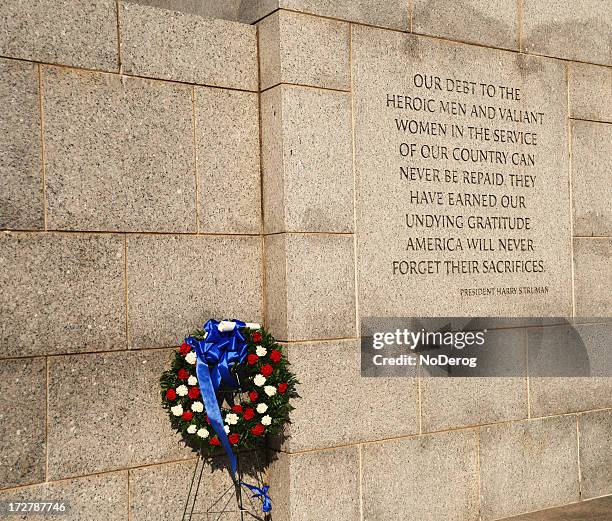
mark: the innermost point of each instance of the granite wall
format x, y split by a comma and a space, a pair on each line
135, 205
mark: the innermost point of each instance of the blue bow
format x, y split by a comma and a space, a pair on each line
262, 493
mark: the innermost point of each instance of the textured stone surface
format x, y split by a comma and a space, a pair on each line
527, 466
330, 386
310, 291
177, 283
571, 30
118, 153
594, 510
105, 413
308, 174
593, 277
428, 478
226, 10
302, 49
158, 492
316, 485
487, 22
590, 92
185, 47
596, 453
81, 33
22, 421
91, 498
61, 293
21, 199
592, 178
227, 140
386, 63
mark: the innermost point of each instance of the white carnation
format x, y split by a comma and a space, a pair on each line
266, 420
231, 418
177, 410
197, 406
192, 380
261, 408
226, 429
182, 390
190, 358
259, 380
261, 351
202, 433
270, 390
192, 429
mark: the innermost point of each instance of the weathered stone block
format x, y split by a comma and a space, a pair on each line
596, 453
590, 92
593, 277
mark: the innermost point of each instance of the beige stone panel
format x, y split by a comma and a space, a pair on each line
596, 453
227, 140
592, 178
593, 277
21, 197
22, 425
90, 498
338, 406
322, 485
308, 174
79, 33
176, 283
594, 510
388, 63
590, 92
61, 293
302, 49
105, 413
319, 289
185, 47
527, 466
487, 22
226, 10
428, 478
571, 30
118, 153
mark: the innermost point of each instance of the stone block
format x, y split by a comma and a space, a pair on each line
593, 277
118, 153
571, 30
487, 22
23, 420
305, 50
596, 453
227, 140
590, 92
185, 47
308, 174
527, 466
226, 10
105, 413
176, 283
61, 293
21, 199
310, 290
321, 485
592, 178
428, 478
594, 510
81, 33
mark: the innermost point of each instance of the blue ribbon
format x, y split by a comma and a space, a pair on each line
262, 493
216, 355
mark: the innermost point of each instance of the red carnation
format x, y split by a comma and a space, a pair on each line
252, 359
184, 349
193, 392
183, 374
253, 395
187, 415
233, 438
171, 394
256, 337
266, 370
237, 409
282, 388
207, 420
275, 356
249, 414
215, 441
258, 430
